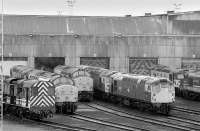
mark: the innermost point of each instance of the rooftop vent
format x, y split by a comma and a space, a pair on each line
170, 12
147, 14
128, 15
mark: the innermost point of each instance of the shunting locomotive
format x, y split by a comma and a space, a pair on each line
34, 99
66, 92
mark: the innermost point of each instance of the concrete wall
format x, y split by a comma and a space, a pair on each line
170, 50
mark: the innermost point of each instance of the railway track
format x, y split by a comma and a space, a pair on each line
182, 109
61, 126
148, 119
57, 125
108, 123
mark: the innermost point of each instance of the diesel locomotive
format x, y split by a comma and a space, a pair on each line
66, 93
188, 84
82, 80
34, 99
156, 94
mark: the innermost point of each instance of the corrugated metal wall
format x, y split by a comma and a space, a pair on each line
166, 37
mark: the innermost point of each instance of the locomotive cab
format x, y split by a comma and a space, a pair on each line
162, 91
9, 92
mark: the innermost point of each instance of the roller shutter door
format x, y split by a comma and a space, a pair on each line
141, 65
96, 61
190, 63
48, 63
9, 62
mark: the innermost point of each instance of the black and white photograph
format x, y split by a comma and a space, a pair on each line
100, 65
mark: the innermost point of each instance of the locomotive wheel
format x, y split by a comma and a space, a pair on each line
90, 99
165, 109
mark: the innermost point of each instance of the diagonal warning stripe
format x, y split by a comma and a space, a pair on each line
42, 86
42, 102
43, 96
42, 91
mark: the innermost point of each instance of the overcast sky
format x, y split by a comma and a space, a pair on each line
97, 7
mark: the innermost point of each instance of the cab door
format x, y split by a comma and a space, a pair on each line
12, 94
27, 96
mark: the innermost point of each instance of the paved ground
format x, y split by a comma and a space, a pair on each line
10, 124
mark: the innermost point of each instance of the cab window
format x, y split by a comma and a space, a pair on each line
196, 82
34, 91
51, 91
19, 92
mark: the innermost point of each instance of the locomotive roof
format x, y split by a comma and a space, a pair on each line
139, 78
194, 74
71, 71
36, 72
27, 83
27, 70
117, 76
67, 69
107, 72
11, 79
92, 68
83, 66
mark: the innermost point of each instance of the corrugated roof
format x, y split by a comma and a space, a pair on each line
81, 25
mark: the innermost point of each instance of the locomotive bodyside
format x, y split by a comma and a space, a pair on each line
144, 92
106, 83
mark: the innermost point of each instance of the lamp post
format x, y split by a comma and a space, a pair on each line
2, 64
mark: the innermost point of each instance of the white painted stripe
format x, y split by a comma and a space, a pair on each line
50, 84
42, 101
41, 105
35, 84
38, 98
42, 87
46, 84
31, 97
33, 100
40, 83
52, 99
47, 101
43, 91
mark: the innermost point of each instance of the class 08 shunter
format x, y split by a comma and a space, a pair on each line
66, 93
34, 99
